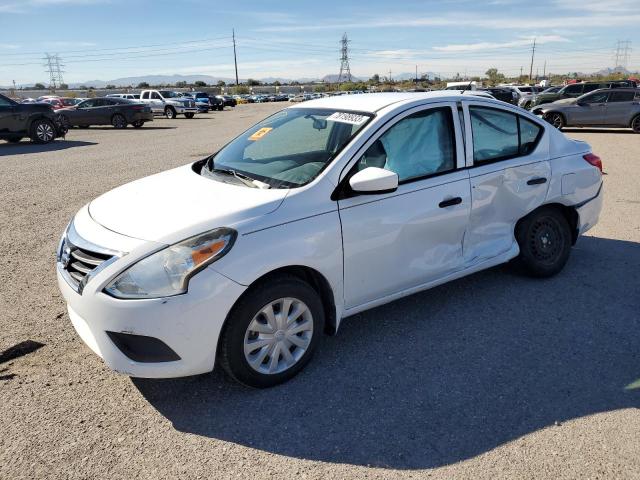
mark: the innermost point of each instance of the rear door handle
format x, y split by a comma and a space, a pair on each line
450, 202
537, 181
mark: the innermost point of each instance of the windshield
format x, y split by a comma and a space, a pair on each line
290, 148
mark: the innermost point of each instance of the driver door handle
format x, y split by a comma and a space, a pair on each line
537, 181
450, 202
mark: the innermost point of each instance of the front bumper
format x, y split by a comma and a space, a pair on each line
188, 324
182, 109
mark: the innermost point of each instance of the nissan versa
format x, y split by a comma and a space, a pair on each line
321, 211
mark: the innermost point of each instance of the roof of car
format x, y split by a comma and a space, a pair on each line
372, 102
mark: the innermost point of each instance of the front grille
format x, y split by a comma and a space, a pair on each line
78, 263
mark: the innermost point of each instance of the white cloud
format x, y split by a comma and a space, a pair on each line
9, 46
483, 46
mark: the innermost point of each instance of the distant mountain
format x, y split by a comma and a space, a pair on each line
334, 78
410, 76
152, 80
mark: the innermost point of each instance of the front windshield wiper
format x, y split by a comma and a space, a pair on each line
247, 180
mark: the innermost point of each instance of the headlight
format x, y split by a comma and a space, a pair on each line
167, 272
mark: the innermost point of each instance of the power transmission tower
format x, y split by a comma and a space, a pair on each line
235, 59
533, 52
623, 50
345, 70
54, 68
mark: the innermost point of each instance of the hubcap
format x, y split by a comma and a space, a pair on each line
556, 120
545, 241
278, 336
44, 132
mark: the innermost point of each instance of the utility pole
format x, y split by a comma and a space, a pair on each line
520, 79
416, 73
544, 70
533, 52
54, 69
345, 69
235, 58
390, 76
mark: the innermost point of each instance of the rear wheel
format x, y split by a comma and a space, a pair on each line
42, 131
64, 120
635, 124
170, 112
544, 238
220, 108
555, 119
272, 332
138, 124
189, 115
118, 121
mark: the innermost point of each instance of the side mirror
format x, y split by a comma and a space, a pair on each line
373, 180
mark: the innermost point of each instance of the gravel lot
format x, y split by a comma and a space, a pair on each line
491, 376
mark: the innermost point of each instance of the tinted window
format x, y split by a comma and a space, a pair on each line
4, 102
590, 87
417, 146
145, 95
621, 97
573, 90
598, 97
156, 96
498, 134
87, 104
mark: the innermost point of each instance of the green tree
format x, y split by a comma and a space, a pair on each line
375, 79
143, 85
277, 83
110, 87
252, 83
221, 83
200, 83
63, 86
181, 84
494, 76
39, 86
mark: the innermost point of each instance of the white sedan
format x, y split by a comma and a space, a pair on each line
321, 211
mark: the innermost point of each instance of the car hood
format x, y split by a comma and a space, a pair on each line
176, 204
565, 101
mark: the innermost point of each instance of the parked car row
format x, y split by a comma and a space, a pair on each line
38, 121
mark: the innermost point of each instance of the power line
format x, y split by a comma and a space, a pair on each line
345, 69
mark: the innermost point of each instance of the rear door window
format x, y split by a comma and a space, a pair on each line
621, 97
498, 134
573, 90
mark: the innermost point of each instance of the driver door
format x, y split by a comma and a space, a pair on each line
591, 110
396, 241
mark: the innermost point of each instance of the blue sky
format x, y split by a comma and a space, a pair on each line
107, 39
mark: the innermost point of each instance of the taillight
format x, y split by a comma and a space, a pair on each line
593, 160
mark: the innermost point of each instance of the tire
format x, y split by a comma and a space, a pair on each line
138, 124
555, 119
635, 124
189, 115
42, 131
14, 139
527, 105
118, 121
170, 113
220, 108
544, 238
64, 120
247, 317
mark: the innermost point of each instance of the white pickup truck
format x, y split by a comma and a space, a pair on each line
168, 103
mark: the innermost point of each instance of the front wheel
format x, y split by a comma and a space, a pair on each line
118, 121
544, 238
272, 332
189, 115
42, 131
170, 113
635, 124
555, 119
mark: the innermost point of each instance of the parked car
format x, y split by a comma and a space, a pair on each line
319, 212
168, 103
216, 103
34, 120
607, 107
575, 90
528, 100
118, 112
228, 101
500, 93
201, 99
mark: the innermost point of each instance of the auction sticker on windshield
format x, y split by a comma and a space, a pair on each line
345, 117
260, 133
